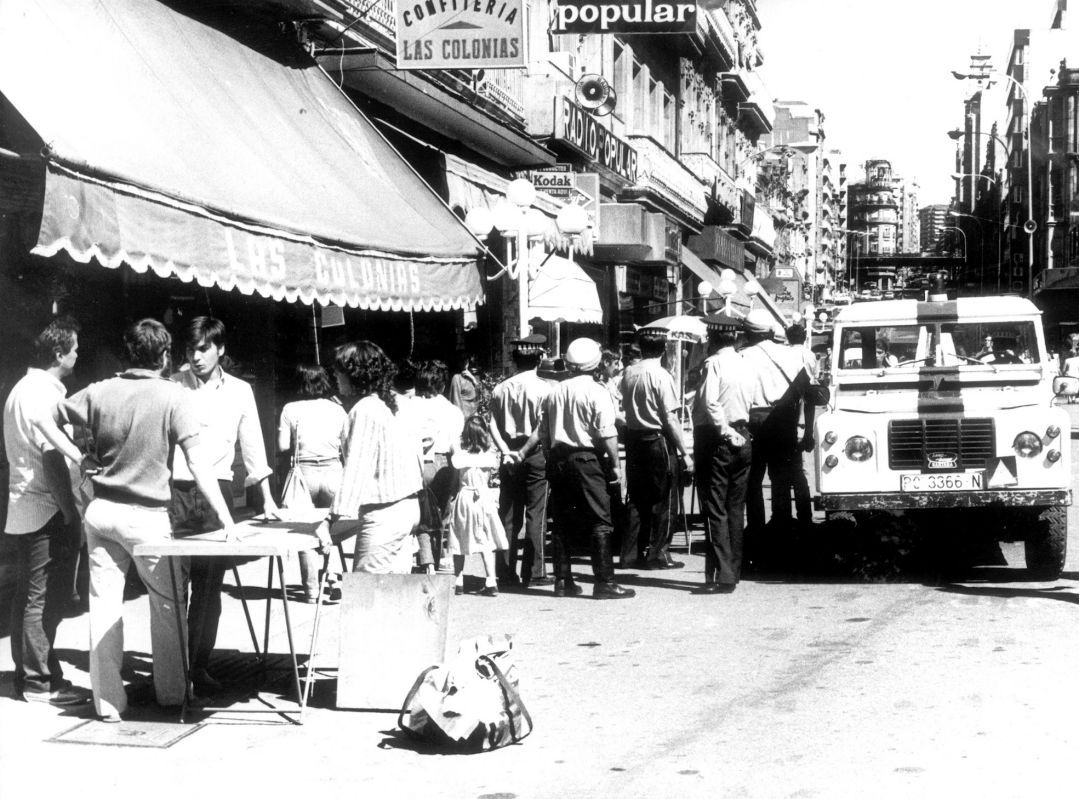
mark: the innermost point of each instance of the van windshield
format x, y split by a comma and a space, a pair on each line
947, 344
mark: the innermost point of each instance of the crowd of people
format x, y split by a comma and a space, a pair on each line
432, 468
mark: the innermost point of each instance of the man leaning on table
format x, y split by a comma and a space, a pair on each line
225, 409
136, 420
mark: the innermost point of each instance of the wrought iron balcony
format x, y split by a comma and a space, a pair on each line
660, 173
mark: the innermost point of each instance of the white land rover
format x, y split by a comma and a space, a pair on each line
943, 410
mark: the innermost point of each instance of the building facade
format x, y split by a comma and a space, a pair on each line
931, 219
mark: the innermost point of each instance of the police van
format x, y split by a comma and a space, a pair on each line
944, 410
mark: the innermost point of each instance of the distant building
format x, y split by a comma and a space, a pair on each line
931, 219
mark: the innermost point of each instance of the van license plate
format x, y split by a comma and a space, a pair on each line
955, 481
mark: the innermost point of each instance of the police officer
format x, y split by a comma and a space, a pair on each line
577, 427
722, 453
653, 447
515, 412
778, 384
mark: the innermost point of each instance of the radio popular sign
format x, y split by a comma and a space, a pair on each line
582, 131
460, 34
622, 16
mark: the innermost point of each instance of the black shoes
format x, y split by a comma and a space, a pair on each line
659, 565
716, 588
566, 588
490, 590
612, 591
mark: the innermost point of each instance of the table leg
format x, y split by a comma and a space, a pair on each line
176, 608
288, 629
269, 598
309, 676
247, 613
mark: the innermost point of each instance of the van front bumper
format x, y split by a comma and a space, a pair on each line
1043, 497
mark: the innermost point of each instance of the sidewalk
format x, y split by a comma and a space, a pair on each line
564, 647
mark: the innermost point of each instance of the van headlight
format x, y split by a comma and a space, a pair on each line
859, 448
1027, 444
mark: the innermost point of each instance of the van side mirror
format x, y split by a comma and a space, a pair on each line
1066, 386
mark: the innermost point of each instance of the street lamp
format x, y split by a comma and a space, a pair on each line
960, 231
956, 135
1030, 226
513, 217
852, 274
981, 248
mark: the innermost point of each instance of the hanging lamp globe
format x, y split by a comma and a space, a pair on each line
572, 220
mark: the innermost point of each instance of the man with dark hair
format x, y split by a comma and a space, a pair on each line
41, 536
136, 420
653, 443
577, 428
722, 453
225, 408
522, 492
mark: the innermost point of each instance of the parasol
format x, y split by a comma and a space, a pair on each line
680, 328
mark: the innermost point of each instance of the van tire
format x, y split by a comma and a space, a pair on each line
1047, 545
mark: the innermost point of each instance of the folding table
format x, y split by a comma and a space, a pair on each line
277, 540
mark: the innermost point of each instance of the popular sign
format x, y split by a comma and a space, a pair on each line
460, 34
620, 16
582, 131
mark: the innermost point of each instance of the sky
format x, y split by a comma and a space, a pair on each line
880, 71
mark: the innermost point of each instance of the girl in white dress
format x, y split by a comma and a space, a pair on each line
472, 515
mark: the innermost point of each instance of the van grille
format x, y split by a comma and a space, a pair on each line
910, 440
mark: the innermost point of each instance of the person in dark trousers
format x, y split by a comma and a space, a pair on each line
778, 382
522, 496
803, 501
225, 408
43, 529
653, 447
577, 427
722, 453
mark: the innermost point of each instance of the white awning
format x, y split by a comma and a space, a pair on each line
562, 292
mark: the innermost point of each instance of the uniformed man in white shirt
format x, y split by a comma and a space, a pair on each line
654, 453
515, 406
722, 453
578, 430
779, 382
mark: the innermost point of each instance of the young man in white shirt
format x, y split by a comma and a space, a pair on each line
225, 406
43, 529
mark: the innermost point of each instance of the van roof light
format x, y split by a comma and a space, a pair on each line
937, 290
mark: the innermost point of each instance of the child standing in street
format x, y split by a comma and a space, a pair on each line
472, 515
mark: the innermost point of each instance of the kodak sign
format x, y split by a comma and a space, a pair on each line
623, 16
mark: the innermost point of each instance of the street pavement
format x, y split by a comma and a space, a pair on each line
809, 684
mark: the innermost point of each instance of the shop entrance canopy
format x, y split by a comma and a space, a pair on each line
174, 147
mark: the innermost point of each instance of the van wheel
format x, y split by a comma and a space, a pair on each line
1047, 546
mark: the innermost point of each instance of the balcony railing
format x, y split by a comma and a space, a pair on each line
505, 87
659, 172
724, 32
